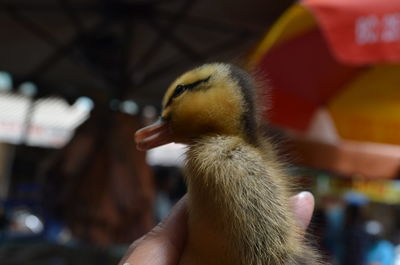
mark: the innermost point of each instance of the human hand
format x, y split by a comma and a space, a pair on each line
165, 243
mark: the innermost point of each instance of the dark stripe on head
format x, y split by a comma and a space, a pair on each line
182, 88
247, 88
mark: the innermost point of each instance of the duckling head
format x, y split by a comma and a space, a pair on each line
213, 99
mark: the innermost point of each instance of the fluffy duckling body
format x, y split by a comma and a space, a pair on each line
238, 194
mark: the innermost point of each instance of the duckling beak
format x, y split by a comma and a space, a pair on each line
156, 134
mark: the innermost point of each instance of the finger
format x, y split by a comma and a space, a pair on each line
164, 244
303, 207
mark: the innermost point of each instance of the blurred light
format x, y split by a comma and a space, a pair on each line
84, 104
129, 107
33, 223
24, 222
28, 89
149, 112
373, 228
5, 81
65, 236
52, 122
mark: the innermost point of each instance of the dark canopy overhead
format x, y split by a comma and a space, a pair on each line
123, 48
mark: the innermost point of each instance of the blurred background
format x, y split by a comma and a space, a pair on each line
79, 77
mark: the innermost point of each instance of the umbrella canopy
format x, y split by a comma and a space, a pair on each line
123, 49
335, 65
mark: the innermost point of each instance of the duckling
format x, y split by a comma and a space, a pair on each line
238, 195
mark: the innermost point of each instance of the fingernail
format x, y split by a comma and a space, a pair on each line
304, 194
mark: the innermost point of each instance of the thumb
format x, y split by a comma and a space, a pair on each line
303, 207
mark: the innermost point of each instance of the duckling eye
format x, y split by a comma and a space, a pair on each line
179, 90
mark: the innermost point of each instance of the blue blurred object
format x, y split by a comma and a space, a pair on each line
381, 252
355, 198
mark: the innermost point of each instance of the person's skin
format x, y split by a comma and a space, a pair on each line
165, 243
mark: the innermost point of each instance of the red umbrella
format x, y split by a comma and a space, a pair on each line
326, 56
